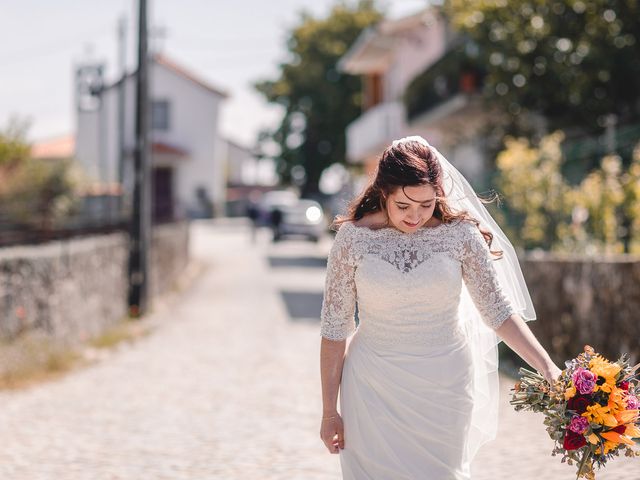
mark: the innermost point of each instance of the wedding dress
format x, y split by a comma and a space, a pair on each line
406, 393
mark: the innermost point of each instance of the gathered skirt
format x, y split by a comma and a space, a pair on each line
406, 411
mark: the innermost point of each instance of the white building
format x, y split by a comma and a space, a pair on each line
247, 176
188, 170
243, 167
389, 56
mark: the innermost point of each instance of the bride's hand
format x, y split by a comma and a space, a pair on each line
332, 432
552, 374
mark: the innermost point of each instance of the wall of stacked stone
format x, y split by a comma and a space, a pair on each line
74, 289
169, 256
585, 301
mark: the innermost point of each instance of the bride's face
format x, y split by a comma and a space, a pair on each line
409, 208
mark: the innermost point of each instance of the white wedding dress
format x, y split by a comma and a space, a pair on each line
406, 393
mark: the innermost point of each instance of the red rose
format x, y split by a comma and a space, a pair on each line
619, 429
573, 441
624, 386
579, 404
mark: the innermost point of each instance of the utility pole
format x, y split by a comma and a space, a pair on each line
140, 235
122, 63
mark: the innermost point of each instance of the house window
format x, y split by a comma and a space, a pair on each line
160, 115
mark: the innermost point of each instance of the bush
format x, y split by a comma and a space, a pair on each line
601, 214
34, 193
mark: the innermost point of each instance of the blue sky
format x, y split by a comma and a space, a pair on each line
228, 43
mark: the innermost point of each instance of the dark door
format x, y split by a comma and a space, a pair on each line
162, 194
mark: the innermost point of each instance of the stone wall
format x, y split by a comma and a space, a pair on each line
578, 301
169, 256
74, 289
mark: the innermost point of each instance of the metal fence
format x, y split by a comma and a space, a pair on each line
92, 215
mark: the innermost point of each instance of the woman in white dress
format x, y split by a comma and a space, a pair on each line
409, 387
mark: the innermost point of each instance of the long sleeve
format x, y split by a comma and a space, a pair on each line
337, 318
481, 279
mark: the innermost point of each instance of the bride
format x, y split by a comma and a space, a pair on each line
437, 285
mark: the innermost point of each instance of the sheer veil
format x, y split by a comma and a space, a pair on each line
482, 339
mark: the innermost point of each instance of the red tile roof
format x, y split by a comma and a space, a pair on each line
59, 147
166, 149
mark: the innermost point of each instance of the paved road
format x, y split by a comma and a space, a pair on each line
227, 387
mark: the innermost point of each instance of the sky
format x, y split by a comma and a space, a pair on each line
229, 44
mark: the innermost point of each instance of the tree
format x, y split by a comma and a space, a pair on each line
34, 193
573, 61
319, 101
537, 194
631, 205
599, 214
13, 146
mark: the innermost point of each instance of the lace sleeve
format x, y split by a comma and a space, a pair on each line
481, 279
337, 318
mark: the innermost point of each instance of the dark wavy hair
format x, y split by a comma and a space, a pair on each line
409, 163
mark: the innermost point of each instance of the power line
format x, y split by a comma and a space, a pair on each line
34, 53
253, 52
221, 40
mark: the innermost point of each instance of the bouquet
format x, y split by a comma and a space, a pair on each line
591, 411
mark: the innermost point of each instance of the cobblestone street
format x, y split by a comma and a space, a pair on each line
226, 387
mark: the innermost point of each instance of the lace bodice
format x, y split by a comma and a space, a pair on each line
408, 285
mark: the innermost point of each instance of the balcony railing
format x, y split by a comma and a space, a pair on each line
455, 73
373, 130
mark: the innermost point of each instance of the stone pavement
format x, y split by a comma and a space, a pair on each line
226, 387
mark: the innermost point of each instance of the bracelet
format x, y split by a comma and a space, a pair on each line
329, 418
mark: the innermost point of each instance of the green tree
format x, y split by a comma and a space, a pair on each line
33, 193
631, 205
599, 214
602, 194
319, 101
573, 61
14, 147
536, 193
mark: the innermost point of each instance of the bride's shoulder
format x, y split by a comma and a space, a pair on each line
358, 231
468, 227
464, 228
470, 236
372, 221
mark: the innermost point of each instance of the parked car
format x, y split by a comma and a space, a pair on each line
273, 200
304, 218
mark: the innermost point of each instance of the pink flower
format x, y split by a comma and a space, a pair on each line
632, 402
584, 380
578, 424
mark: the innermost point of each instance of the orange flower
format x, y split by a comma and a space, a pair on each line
626, 416
617, 438
601, 415
604, 368
617, 400
608, 446
632, 431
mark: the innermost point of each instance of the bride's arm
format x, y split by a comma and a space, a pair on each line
517, 335
331, 360
482, 281
337, 323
